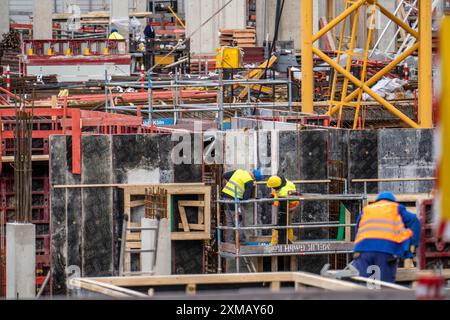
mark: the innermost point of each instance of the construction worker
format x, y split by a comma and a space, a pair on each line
385, 232
282, 188
115, 35
241, 181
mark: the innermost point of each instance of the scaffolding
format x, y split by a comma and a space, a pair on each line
219, 107
237, 250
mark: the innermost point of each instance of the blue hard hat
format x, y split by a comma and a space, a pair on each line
385, 195
258, 174
114, 30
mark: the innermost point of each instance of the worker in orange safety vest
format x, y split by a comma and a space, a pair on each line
385, 233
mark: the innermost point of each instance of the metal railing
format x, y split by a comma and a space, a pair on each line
314, 225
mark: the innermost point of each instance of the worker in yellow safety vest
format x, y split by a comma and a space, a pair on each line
282, 188
385, 233
115, 35
239, 184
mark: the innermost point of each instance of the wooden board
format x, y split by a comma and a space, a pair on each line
297, 248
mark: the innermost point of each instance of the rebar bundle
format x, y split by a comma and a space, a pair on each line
23, 166
155, 202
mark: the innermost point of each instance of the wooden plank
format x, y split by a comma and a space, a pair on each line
275, 286
192, 235
184, 220
348, 230
191, 203
259, 264
193, 226
104, 288
223, 278
137, 203
34, 157
324, 283
302, 278
406, 197
201, 215
294, 263
411, 274
274, 264
133, 245
133, 188
134, 236
302, 247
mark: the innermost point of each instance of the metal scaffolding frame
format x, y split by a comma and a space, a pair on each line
311, 197
178, 107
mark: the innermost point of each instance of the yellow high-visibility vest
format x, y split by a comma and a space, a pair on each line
115, 36
237, 181
284, 192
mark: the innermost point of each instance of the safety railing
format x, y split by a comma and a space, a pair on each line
311, 225
74, 47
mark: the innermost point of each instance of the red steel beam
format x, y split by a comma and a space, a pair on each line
76, 141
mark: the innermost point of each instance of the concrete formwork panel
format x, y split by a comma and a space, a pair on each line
405, 153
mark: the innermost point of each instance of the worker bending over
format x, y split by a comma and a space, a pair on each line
282, 188
241, 181
115, 35
385, 232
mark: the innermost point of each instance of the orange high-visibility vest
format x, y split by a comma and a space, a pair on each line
381, 220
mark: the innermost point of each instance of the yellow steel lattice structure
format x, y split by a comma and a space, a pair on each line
423, 44
442, 204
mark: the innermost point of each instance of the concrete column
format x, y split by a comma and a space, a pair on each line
382, 22
164, 251
206, 40
20, 261
4, 17
119, 17
42, 19
148, 243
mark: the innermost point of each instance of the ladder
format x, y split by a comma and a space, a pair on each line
127, 252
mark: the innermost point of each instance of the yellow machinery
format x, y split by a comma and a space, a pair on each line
228, 58
164, 60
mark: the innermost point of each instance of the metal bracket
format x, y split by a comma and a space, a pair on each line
348, 272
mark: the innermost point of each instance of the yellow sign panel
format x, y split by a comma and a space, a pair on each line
163, 60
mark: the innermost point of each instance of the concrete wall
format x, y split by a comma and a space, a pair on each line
206, 40
290, 23
86, 222
4, 17
42, 19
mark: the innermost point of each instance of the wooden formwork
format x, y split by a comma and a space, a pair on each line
168, 193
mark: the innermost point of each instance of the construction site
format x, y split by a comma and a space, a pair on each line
224, 149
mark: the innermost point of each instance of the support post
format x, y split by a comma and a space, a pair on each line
425, 65
307, 56
20, 261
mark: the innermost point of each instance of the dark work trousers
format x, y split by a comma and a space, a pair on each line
282, 221
230, 221
385, 261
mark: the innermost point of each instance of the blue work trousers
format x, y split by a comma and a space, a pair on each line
385, 261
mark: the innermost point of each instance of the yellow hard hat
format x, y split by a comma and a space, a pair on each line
274, 182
